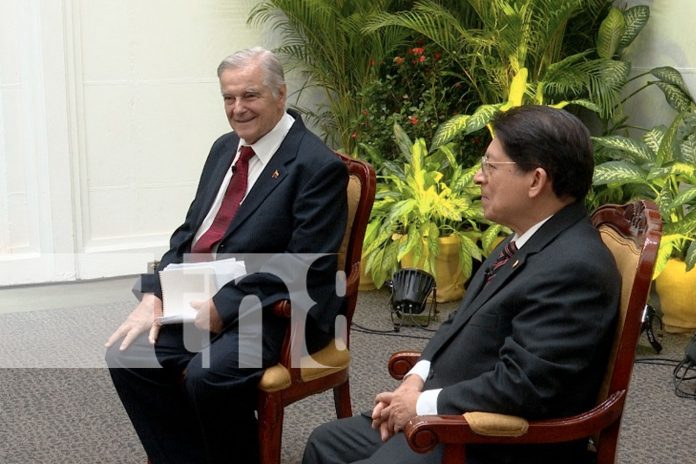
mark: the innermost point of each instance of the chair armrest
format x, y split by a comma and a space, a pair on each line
423, 433
401, 362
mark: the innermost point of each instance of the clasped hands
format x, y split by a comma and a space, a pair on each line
393, 409
146, 316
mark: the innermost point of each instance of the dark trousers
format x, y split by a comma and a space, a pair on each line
184, 404
353, 440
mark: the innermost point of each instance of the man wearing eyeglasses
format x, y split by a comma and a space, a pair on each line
532, 335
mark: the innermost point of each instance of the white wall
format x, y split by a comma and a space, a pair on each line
107, 111
668, 39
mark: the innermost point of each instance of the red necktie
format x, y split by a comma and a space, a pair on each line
503, 258
230, 203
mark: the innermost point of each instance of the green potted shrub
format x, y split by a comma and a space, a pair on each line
423, 200
661, 166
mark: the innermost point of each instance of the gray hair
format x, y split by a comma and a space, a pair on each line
273, 75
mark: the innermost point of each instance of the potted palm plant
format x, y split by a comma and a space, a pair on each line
426, 206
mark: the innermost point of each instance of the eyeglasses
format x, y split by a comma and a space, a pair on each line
489, 166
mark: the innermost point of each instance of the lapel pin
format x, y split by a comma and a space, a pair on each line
514, 265
275, 174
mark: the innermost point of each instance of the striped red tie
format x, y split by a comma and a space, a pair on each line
503, 258
230, 203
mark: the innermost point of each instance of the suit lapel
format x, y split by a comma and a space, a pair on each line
212, 184
272, 175
479, 293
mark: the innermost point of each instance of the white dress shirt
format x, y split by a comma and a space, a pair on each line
264, 149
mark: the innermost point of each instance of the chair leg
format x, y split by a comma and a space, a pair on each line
342, 400
270, 430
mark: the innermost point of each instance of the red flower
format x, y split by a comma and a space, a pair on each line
413, 120
398, 60
354, 135
417, 51
421, 58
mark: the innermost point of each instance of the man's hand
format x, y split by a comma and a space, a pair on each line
393, 409
382, 401
207, 317
142, 318
401, 409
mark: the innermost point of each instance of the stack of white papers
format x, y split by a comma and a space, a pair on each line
186, 282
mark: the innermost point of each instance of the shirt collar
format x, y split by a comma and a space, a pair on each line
520, 240
266, 146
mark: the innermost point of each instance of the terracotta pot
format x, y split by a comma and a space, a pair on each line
676, 289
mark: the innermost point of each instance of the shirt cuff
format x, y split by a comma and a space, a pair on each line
426, 405
421, 369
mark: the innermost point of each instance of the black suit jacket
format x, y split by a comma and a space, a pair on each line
297, 206
534, 341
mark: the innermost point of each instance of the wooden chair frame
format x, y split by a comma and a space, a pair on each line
637, 222
302, 382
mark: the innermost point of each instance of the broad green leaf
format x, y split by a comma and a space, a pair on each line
481, 117
690, 256
449, 130
610, 33
408, 245
666, 151
618, 172
636, 150
664, 253
676, 98
671, 76
472, 250
685, 197
635, 19
585, 104
687, 226
402, 141
489, 239
683, 170
518, 88
653, 138
688, 150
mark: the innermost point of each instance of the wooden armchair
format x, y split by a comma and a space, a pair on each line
632, 232
285, 383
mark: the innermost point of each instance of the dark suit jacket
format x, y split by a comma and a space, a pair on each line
297, 205
534, 341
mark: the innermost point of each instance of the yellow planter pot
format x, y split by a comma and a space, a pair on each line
448, 273
677, 291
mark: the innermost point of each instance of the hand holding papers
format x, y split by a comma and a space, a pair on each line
186, 282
